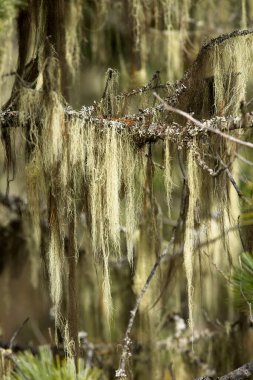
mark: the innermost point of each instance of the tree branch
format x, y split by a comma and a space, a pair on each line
144, 130
203, 126
244, 372
126, 351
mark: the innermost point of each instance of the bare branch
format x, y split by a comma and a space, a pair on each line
243, 159
203, 126
126, 351
142, 128
244, 372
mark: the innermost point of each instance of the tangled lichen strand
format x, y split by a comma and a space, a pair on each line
47, 178
104, 172
8, 13
77, 152
35, 186
231, 67
243, 15
96, 184
175, 14
56, 269
73, 14
103, 177
174, 55
111, 169
130, 170
52, 132
147, 246
35, 195
29, 103
171, 19
112, 162
168, 174
137, 11
194, 188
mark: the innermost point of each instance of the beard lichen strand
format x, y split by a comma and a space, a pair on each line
28, 113
107, 295
147, 247
174, 55
112, 162
52, 131
76, 138
90, 139
75, 160
29, 106
231, 67
133, 172
243, 15
175, 15
56, 268
104, 160
138, 21
194, 186
129, 171
45, 176
73, 18
168, 174
35, 189
102, 175
96, 185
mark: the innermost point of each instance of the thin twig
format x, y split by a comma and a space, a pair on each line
204, 125
243, 159
14, 336
126, 351
171, 371
232, 180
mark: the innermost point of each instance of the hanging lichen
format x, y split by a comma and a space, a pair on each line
35, 195
130, 170
73, 14
192, 213
104, 199
56, 268
137, 10
148, 244
113, 174
231, 65
176, 15
244, 15
174, 55
168, 174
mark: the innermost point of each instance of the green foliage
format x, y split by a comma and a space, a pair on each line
44, 367
243, 280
